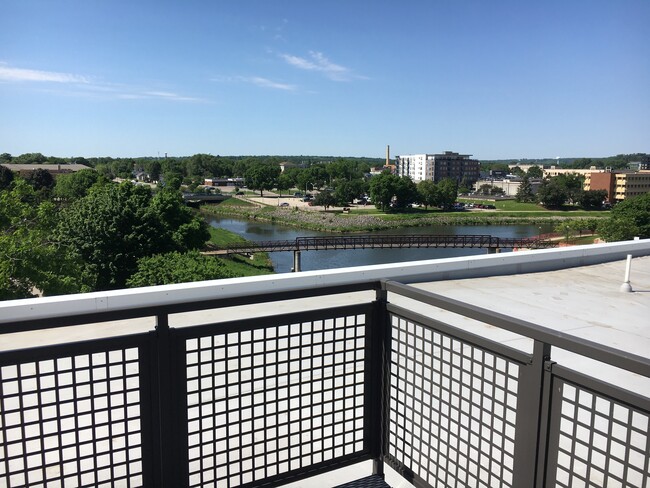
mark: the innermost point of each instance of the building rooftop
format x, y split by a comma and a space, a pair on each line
585, 302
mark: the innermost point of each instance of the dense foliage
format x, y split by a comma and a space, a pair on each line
176, 267
29, 257
115, 225
79, 232
629, 219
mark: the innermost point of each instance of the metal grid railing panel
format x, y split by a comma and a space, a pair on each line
268, 401
72, 419
601, 441
452, 408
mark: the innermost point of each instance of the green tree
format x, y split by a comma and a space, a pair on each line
592, 198
325, 199
262, 176
484, 189
29, 259
535, 172
176, 267
629, 218
115, 225
382, 190
30, 158
448, 192
73, 186
41, 180
153, 168
314, 177
283, 183
406, 193
428, 194
345, 191
566, 229
517, 171
172, 180
618, 229
6, 177
572, 184
552, 194
525, 191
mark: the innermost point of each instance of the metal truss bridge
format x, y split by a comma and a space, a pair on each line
344, 242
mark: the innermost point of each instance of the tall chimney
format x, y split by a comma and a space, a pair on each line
387, 154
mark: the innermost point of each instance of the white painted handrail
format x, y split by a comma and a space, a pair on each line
406, 272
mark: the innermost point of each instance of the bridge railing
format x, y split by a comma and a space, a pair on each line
259, 388
343, 242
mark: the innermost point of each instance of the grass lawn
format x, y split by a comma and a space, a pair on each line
221, 237
236, 202
504, 209
259, 264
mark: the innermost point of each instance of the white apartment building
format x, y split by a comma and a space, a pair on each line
436, 167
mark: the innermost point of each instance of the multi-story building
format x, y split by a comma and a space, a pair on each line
620, 185
436, 167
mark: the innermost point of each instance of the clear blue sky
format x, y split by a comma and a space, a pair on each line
497, 79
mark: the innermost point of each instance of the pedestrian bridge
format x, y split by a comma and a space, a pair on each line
343, 242
204, 197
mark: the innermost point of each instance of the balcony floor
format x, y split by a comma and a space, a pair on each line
373, 481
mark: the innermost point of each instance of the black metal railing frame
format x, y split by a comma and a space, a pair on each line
163, 385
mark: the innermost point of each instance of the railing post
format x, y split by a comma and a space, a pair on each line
546, 408
530, 409
166, 428
380, 380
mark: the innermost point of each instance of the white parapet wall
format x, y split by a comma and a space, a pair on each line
406, 272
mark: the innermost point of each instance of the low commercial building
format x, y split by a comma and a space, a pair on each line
53, 169
510, 186
436, 167
555, 171
223, 182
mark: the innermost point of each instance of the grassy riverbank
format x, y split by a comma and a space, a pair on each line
365, 219
258, 264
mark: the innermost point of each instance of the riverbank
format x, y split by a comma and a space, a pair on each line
359, 221
239, 265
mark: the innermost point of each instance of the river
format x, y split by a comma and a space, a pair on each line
312, 260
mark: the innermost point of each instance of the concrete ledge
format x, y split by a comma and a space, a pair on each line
408, 272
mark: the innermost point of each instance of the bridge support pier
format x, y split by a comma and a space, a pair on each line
494, 250
296, 262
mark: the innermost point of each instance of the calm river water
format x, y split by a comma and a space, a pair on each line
312, 260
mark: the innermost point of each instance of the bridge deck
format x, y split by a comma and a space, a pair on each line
384, 242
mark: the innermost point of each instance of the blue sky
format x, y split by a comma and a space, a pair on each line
496, 79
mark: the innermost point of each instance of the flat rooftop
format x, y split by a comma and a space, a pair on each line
585, 302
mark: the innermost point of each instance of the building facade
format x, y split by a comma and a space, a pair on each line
620, 185
510, 186
436, 167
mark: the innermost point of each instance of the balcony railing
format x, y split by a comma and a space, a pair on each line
260, 388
